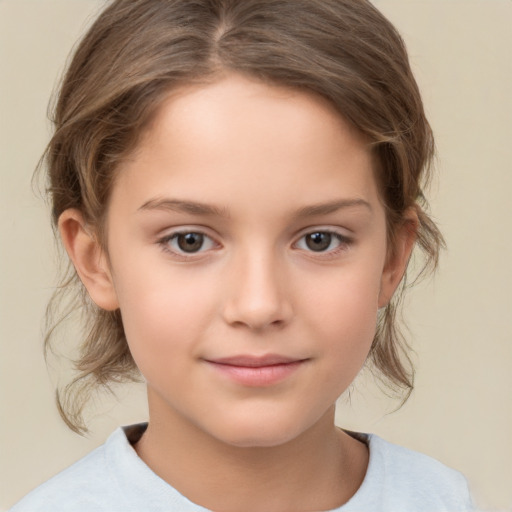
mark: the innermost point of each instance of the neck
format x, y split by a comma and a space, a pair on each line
320, 469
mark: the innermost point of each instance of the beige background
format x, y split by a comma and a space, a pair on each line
461, 323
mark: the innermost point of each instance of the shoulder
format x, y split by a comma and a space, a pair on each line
112, 478
86, 485
401, 479
414, 468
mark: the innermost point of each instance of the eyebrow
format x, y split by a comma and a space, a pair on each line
198, 208
331, 207
177, 205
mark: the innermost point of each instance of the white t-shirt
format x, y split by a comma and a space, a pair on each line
113, 478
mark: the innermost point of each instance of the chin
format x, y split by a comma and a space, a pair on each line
259, 434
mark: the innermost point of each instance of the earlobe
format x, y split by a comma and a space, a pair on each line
398, 258
88, 258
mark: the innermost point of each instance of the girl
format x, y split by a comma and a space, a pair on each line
239, 188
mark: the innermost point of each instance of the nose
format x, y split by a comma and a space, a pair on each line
257, 296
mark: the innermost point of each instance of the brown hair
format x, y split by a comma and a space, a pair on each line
139, 50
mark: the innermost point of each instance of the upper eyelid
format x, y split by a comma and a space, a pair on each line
169, 232
342, 237
342, 232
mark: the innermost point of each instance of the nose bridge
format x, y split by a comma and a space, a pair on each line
257, 292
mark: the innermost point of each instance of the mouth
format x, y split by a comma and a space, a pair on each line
256, 371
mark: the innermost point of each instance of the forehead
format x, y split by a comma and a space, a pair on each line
234, 101
237, 139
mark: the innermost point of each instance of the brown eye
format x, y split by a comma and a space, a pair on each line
190, 242
324, 243
183, 244
319, 241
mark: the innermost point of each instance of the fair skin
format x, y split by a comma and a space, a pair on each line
247, 252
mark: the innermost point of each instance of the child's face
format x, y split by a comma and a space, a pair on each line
247, 245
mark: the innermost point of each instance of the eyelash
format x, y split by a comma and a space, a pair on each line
165, 244
344, 243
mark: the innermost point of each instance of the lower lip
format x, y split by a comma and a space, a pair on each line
260, 376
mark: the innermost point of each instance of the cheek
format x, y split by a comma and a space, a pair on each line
344, 312
164, 312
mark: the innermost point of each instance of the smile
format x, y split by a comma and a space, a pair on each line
256, 371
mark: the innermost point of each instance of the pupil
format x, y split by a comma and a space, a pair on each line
190, 242
318, 241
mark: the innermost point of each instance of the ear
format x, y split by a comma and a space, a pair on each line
398, 257
89, 259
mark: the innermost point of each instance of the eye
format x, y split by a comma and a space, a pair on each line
187, 242
322, 241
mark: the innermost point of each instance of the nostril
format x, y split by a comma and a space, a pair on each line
258, 316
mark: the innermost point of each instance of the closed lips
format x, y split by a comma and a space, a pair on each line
255, 362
